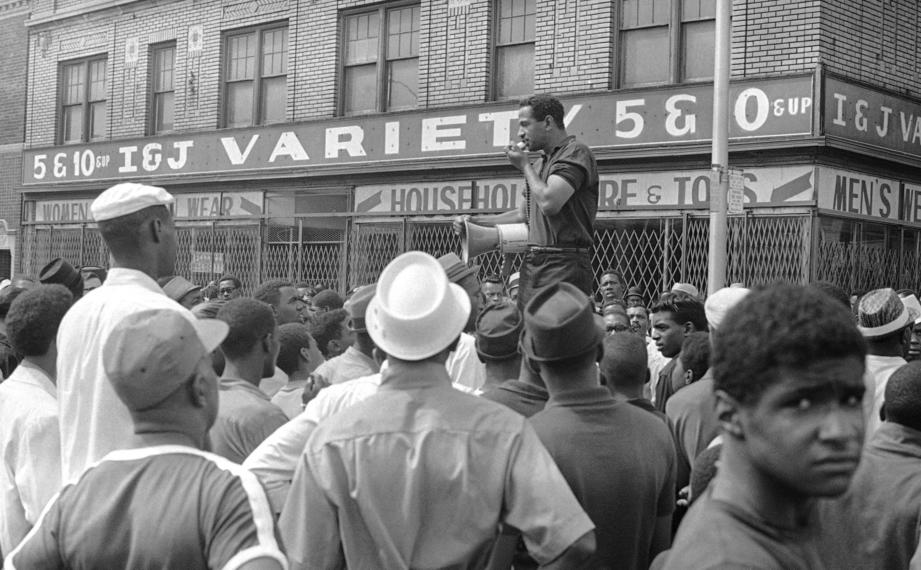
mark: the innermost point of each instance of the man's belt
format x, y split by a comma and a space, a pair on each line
555, 249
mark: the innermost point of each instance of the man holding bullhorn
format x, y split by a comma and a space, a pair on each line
559, 204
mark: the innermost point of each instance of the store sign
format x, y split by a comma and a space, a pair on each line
872, 117
860, 194
201, 205
680, 114
777, 186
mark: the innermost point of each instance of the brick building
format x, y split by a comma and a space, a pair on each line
14, 57
319, 139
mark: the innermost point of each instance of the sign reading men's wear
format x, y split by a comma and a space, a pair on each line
868, 196
665, 115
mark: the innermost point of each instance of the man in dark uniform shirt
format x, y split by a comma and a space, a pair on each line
788, 367
559, 204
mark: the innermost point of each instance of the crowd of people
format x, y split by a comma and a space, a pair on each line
432, 419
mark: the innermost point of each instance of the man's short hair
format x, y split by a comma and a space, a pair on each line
641, 306
780, 327
249, 321
292, 337
34, 317
625, 361
7, 296
542, 105
327, 327
270, 291
124, 232
327, 300
615, 272
902, 399
494, 279
695, 354
233, 278
683, 309
833, 291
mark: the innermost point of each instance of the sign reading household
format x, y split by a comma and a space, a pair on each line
188, 206
770, 186
872, 117
869, 196
760, 108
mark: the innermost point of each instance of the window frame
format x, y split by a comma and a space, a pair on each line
497, 46
381, 63
154, 50
258, 32
86, 101
675, 27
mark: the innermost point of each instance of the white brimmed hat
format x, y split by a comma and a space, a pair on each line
416, 313
881, 312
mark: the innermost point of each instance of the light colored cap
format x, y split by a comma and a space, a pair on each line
686, 288
128, 198
178, 287
881, 312
719, 303
149, 354
513, 279
416, 313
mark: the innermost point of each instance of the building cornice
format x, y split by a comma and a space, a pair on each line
11, 8
85, 9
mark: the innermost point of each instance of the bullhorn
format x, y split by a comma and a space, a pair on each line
508, 238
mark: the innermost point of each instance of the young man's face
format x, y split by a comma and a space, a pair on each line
228, 290
611, 287
289, 307
493, 292
531, 131
667, 333
639, 320
806, 430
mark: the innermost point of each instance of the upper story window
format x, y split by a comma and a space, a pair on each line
163, 90
256, 76
380, 60
83, 100
666, 41
515, 48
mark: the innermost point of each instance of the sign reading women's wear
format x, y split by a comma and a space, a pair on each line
666, 115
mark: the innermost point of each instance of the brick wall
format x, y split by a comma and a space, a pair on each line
873, 40
14, 58
877, 41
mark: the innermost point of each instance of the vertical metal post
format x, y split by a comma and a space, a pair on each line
300, 250
716, 260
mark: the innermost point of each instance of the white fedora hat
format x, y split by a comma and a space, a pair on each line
416, 312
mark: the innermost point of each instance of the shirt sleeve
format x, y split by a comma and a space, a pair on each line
539, 502
276, 458
38, 465
309, 522
243, 527
40, 548
668, 494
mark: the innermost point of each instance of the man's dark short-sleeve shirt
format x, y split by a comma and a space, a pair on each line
573, 225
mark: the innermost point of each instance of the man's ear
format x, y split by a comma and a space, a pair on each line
728, 414
305, 354
689, 328
688, 377
332, 346
155, 228
267, 343
197, 390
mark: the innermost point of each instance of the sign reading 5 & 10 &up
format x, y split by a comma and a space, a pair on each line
679, 114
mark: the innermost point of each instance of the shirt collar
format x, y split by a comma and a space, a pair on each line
562, 144
897, 438
411, 375
32, 375
593, 397
125, 276
359, 355
243, 385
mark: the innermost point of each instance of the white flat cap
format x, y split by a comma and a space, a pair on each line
128, 198
719, 303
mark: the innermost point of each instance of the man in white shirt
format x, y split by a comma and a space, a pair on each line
137, 227
30, 445
464, 366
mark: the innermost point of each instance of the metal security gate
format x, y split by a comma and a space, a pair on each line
342, 252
